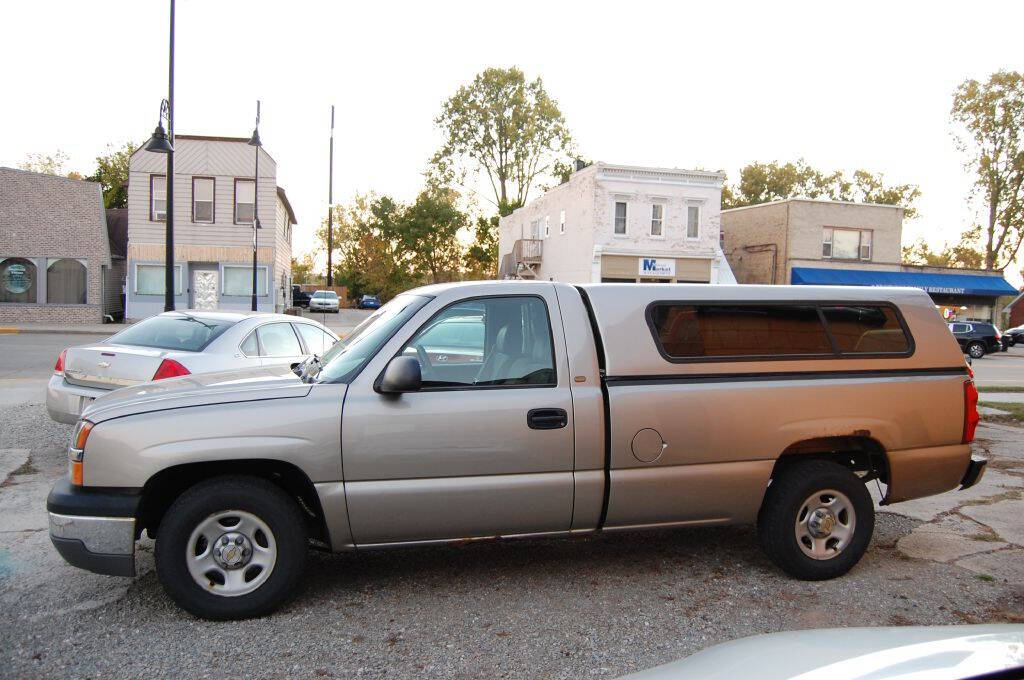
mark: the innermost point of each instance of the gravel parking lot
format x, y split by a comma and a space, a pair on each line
599, 606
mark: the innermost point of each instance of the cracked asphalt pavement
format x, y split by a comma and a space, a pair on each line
589, 607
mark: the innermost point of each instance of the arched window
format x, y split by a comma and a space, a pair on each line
17, 280
66, 281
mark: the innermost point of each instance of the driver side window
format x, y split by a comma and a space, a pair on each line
486, 342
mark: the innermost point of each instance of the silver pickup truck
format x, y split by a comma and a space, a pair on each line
503, 409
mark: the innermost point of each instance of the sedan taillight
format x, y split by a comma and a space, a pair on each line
59, 366
169, 368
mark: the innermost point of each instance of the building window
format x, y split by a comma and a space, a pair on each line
620, 217
547, 226
561, 223
692, 221
149, 279
66, 281
846, 244
157, 198
202, 199
245, 201
17, 280
657, 218
238, 280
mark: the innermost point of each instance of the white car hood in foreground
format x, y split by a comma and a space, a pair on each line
246, 384
907, 653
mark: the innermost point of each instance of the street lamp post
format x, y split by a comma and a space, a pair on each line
163, 142
254, 142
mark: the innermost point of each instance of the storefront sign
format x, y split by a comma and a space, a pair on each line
663, 268
15, 279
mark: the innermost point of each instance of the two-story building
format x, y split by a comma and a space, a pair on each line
834, 243
215, 195
618, 223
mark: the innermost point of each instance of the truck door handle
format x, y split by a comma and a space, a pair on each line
547, 418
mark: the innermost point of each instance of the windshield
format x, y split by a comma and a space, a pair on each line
343, 361
184, 332
325, 294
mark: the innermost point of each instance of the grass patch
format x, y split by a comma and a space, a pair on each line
992, 538
1011, 388
1014, 412
986, 578
25, 468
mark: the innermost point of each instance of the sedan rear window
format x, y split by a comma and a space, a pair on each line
183, 332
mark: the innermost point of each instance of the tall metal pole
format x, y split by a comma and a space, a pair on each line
255, 208
169, 266
330, 206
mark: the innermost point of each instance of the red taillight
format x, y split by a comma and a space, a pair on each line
59, 366
971, 416
169, 368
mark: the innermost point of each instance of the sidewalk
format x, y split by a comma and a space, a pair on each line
105, 329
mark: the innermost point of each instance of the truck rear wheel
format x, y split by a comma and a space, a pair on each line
231, 548
816, 520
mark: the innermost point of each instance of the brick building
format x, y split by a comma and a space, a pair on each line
55, 261
833, 243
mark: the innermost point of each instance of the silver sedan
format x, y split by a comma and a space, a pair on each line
179, 343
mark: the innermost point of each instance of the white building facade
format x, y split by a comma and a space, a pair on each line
215, 198
617, 223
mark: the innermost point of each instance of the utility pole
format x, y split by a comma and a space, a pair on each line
169, 264
330, 207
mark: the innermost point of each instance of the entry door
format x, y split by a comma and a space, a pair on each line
484, 449
205, 291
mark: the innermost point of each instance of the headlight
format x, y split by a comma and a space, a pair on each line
76, 451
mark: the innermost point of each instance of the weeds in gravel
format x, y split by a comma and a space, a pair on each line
986, 578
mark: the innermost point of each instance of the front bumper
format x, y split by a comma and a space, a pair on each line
94, 529
65, 402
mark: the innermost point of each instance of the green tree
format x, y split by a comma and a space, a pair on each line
304, 270
112, 174
428, 233
48, 164
991, 116
765, 182
507, 127
964, 254
482, 254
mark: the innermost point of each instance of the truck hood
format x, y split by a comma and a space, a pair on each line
220, 387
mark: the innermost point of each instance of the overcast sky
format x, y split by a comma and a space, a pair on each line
711, 84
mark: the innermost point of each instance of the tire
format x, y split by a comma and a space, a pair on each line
975, 350
790, 497
242, 498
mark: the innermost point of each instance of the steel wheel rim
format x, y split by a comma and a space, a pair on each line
231, 553
825, 524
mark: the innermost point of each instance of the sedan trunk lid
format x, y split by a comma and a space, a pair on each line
109, 367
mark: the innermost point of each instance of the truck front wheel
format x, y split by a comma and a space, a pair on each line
231, 548
816, 520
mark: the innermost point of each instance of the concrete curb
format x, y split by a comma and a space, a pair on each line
11, 330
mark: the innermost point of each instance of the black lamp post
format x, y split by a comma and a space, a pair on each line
163, 142
254, 142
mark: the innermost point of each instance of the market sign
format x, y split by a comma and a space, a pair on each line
15, 279
660, 268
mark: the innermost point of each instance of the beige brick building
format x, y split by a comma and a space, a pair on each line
801, 241
55, 261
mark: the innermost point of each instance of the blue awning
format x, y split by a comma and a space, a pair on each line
948, 284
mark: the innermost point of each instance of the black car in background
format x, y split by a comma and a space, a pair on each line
1016, 334
300, 298
976, 338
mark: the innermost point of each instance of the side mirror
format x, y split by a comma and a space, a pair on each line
401, 375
